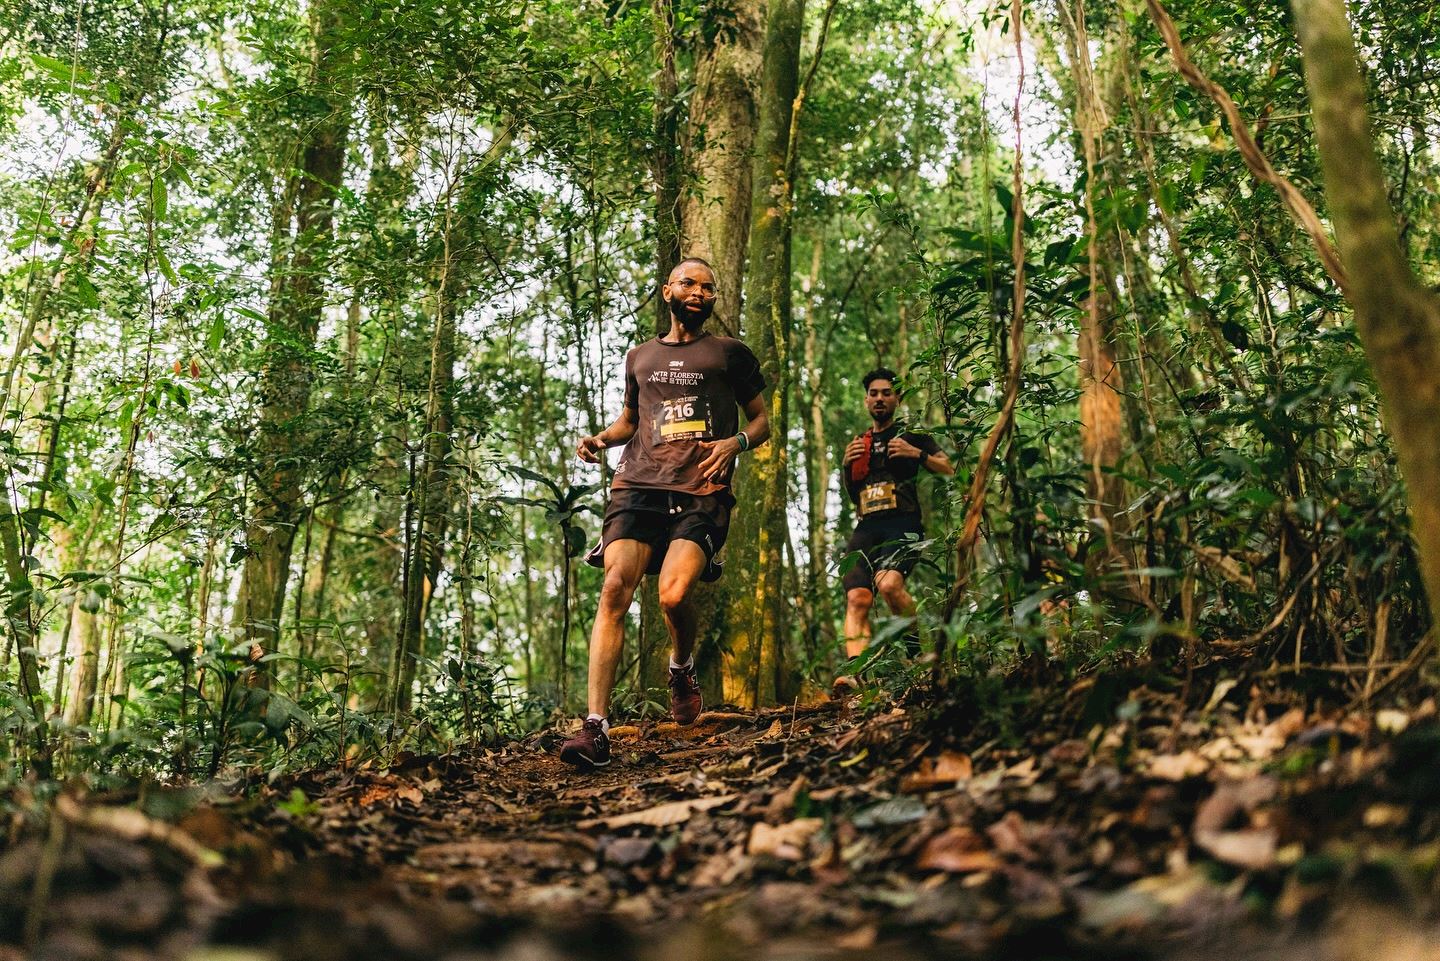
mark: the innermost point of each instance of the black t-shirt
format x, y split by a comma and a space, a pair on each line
888, 491
682, 394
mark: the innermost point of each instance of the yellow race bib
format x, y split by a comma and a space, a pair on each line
876, 497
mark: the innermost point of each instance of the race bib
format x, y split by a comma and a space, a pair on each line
879, 496
682, 418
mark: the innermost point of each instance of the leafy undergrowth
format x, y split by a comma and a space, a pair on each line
1250, 826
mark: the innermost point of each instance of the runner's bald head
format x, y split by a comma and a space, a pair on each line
679, 268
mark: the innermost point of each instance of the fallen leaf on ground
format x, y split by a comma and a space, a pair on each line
776, 731
958, 850
662, 815
785, 841
1252, 848
943, 771
1177, 767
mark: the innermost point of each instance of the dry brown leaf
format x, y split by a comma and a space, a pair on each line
409, 792
1025, 772
776, 731
1252, 848
1286, 726
662, 815
785, 841
861, 939
958, 850
1177, 767
1011, 835
1227, 566
946, 770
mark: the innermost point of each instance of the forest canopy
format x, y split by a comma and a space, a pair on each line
305, 306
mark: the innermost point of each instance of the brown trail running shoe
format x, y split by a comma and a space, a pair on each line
589, 749
685, 701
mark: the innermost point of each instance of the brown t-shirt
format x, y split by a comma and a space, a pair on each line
680, 395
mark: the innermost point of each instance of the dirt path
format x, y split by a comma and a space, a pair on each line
803, 833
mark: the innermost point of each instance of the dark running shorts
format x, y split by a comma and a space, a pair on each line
657, 517
884, 545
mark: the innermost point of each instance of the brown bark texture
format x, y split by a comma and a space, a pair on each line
715, 204
756, 604
1397, 318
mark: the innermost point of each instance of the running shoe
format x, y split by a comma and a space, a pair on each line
589, 749
685, 700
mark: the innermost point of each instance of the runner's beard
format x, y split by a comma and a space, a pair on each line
691, 320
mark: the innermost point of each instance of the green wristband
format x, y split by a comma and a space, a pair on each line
744, 440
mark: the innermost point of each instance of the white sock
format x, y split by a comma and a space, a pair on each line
676, 664
604, 724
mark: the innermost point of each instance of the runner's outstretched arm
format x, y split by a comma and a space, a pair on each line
616, 434
722, 452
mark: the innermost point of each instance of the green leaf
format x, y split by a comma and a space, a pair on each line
159, 198
164, 263
541, 478
62, 70
89, 296
216, 336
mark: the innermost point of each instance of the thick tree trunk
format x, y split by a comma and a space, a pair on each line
756, 609
1398, 319
715, 206
293, 322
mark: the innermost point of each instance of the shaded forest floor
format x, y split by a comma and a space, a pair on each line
1248, 825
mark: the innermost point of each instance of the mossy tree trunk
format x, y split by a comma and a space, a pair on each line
1398, 318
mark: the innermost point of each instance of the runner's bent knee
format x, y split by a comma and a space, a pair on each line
859, 599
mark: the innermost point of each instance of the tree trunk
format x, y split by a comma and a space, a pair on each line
715, 207
293, 322
665, 162
433, 508
1397, 318
756, 602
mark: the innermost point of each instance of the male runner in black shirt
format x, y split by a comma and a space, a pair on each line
670, 500
880, 468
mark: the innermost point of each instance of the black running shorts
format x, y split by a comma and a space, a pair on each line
883, 545
657, 517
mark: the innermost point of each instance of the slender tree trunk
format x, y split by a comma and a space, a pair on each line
817, 462
1397, 317
461, 246
294, 320
665, 162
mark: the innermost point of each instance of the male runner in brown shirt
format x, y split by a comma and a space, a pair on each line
670, 500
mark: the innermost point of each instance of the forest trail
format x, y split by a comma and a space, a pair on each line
789, 833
